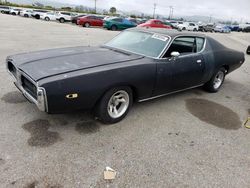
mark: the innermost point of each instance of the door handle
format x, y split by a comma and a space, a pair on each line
199, 61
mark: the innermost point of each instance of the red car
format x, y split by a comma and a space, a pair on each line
88, 21
155, 24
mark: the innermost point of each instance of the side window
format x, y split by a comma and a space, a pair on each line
118, 20
183, 45
199, 44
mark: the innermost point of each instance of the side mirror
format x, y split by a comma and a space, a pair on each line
175, 54
248, 50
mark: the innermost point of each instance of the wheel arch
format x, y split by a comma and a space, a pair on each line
131, 86
226, 67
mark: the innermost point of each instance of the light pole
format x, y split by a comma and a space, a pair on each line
95, 6
154, 10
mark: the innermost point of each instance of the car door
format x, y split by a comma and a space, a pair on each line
93, 21
191, 26
185, 70
99, 22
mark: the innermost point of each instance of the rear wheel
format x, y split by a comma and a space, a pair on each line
195, 29
215, 83
114, 28
61, 20
13, 13
114, 105
87, 24
26, 15
47, 18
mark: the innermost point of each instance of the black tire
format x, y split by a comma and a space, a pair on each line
248, 50
61, 20
47, 18
87, 24
211, 86
26, 15
13, 13
37, 17
101, 110
114, 28
195, 30
184, 29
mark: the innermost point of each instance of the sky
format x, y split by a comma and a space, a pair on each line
230, 10
225, 9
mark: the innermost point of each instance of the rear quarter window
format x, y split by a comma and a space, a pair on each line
199, 44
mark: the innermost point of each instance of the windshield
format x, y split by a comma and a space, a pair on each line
143, 43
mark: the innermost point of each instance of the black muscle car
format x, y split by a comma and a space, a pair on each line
137, 65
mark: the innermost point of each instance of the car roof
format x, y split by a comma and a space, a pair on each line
169, 32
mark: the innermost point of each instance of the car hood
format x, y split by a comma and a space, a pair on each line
46, 63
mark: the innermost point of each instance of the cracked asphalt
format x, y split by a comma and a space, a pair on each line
189, 139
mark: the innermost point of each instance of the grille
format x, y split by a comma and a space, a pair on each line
12, 69
29, 87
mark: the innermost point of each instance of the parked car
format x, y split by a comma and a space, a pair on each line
246, 29
4, 9
234, 27
154, 23
64, 16
118, 24
175, 24
26, 13
222, 29
90, 20
207, 28
137, 65
242, 26
49, 16
15, 11
75, 18
248, 50
38, 13
189, 26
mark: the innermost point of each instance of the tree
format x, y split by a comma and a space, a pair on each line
112, 10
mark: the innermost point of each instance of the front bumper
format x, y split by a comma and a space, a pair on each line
40, 98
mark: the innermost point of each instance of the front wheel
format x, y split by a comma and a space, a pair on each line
47, 19
215, 83
114, 105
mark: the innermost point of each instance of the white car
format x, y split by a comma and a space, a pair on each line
49, 16
64, 16
175, 23
38, 13
15, 11
189, 26
26, 13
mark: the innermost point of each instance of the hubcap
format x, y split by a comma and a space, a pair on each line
218, 79
118, 104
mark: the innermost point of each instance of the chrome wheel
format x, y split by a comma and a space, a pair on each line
87, 25
118, 104
218, 80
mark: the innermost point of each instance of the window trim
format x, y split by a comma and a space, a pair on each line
172, 40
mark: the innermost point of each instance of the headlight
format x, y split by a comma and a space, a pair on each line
41, 99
